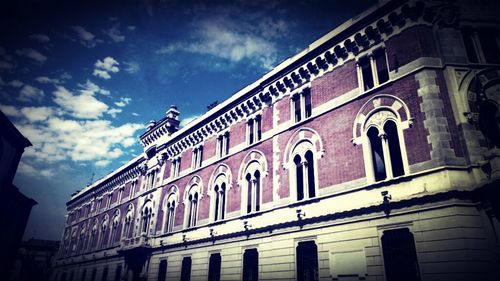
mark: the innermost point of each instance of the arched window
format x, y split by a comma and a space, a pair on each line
384, 146
218, 195
104, 231
379, 129
252, 171
81, 239
193, 197
114, 227
169, 212
305, 174
128, 221
146, 215
93, 234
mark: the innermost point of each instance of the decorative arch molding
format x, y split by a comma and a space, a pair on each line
254, 157
222, 172
301, 138
475, 84
375, 105
173, 190
195, 182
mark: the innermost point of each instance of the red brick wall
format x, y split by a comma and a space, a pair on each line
267, 119
410, 45
209, 148
237, 134
283, 107
336, 83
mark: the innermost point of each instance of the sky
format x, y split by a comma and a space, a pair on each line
81, 80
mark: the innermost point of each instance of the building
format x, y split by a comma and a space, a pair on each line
371, 155
15, 207
34, 260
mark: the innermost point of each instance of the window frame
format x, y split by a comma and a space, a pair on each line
370, 61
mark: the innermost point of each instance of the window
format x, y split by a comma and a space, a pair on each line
482, 45
386, 158
251, 265
400, 256
307, 261
84, 274
373, 70
197, 157
151, 179
162, 271
109, 198
93, 235
133, 186
176, 167
129, 218
120, 194
304, 175
118, 273
223, 145
218, 193
192, 208
253, 191
186, 269
220, 201
254, 132
214, 267
98, 205
105, 274
104, 232
114, 227
302, 105
92, 276
146, 215
81, 240
170, 212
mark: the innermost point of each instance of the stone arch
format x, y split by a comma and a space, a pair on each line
254, 156
303, 135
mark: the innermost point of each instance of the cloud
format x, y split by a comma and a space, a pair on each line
47, 80
226, 41
10, 111
135, 114
104, 67
131, 67
29, 170
36, 114
188, 120
84, 106
91, 88
102, 163
123, 102
115, 34
114, 111
42, 38
86, 38
16, 84
131, 28
6, 60
29, 93
32, 54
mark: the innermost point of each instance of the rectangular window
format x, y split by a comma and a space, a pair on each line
214, 267
84, 275
197, 158
92, 276
105, 274
373, 70
489, 44
254, 132
400, 256
307, 101
176, 167
307, 261
118, 273
162, 271
186, 269
468, 35
133, 186
251, 265
223, 145
296, 108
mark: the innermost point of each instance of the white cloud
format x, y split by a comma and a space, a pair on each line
225, 41
42, 38
135, 114
104, 67
47, 80
188, 120
84, 105
102, 163
10, 110
115, 34
6, 60
114, 111
131, 28
32, 54
86, 38
91, 88
35, 114
29, 93
16, 84
123, 102
132, 67
29, 170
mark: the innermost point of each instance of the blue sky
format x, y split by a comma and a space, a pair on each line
81, 81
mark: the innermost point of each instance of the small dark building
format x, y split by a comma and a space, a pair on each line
34, 260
